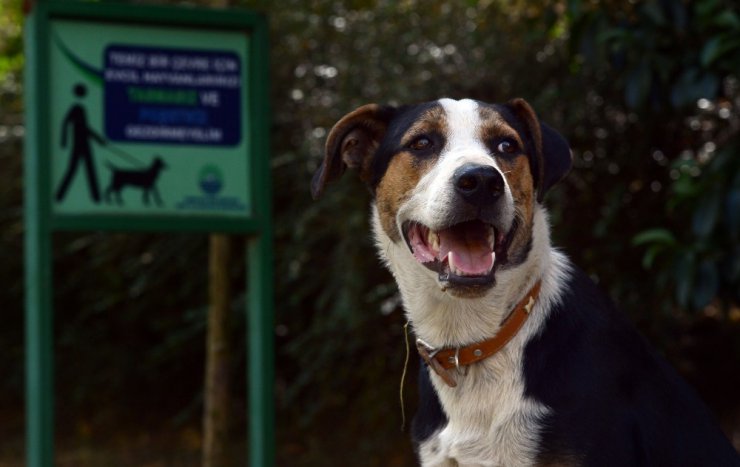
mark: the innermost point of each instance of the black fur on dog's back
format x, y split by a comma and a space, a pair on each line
614, 401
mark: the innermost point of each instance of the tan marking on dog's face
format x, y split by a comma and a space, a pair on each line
516, 169
404, 172
433, 121
519, 177
406, 169
493, 124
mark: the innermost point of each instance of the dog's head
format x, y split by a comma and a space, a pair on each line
454, 182
158, 163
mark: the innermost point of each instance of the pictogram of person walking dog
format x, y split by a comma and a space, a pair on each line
75, 127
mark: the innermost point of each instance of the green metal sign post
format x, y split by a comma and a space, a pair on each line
145, 118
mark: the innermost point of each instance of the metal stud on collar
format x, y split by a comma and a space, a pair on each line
529, 305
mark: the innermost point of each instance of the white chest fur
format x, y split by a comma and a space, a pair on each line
491, 422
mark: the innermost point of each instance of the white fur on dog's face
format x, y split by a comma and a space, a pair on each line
431, 202
419, 190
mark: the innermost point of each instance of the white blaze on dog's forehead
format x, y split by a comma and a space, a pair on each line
464, 143
463, 122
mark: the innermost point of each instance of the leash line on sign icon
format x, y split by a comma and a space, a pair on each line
123, 154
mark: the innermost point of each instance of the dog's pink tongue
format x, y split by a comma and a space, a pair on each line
467, 248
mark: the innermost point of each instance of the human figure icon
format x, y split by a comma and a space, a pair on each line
81, 153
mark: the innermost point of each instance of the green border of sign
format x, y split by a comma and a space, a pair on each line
40, 221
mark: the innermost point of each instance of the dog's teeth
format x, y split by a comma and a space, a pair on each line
453, 267
433, 242
493, 262
491, 238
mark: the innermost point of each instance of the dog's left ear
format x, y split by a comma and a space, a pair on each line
352, 143
552, 158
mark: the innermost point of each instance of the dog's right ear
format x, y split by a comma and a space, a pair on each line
552, 158
352, 143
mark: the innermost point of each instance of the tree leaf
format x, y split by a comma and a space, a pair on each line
648, 258
710, 50
727, 19
717, 47
657, 235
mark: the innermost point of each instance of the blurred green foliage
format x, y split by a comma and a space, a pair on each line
647, 92
682, 58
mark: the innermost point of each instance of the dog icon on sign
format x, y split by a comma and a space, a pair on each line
144, 179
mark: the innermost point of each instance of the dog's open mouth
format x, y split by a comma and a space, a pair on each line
464, 254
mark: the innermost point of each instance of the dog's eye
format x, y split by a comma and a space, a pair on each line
421, 143
506, 146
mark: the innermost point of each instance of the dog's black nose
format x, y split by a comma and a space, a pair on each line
479, 185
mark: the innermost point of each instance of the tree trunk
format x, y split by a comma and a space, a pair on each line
217, 403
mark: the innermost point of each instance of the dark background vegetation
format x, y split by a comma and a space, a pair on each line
648, 94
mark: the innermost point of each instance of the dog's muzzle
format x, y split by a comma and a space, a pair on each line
465, 252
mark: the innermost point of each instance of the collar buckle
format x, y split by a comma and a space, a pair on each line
428, 354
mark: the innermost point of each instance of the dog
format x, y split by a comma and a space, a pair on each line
146, 179
526, 361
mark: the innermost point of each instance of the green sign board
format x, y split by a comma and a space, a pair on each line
151, 117
148, 124
145, 118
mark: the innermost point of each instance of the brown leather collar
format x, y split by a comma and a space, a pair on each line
444, 359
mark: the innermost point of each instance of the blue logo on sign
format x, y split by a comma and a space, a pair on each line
211, 179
